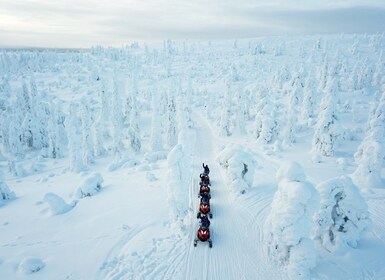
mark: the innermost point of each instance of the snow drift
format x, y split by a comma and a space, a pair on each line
5, 193
91, 186
30, 265
57, 204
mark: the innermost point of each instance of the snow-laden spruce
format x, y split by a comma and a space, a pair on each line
73, 125
288, 227
172, 135
241, 113
117, 122
327, 130
371, 152
156, 142
57, 205
343, 216
225, 117
178, 183
5, 193
240, 166
91, 186
295, 97
132, 117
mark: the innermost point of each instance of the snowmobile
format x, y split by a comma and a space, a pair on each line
203, 235
204, 207
203, 189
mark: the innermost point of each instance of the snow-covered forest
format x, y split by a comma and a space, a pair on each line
101, 151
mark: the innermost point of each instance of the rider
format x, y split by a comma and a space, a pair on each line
206, 169
204, 222
205, 198
205, 180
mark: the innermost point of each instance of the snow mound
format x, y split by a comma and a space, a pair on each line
288, 226
240, 166
343, 216
30, 265
57, 204
91, 186
151, 177
5, 193
291, 171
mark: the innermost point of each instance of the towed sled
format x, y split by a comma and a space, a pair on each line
203, 235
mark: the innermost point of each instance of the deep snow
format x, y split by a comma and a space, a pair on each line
112, 191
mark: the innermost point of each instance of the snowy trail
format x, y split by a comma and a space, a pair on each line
236, 232
237, 251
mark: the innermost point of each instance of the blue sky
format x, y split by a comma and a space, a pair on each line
83, 23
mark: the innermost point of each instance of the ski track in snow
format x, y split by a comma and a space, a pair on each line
377, 210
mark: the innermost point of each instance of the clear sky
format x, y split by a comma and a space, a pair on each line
84, 23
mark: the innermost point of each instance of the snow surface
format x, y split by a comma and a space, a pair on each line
127, 130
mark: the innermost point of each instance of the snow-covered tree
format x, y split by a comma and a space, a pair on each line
99, 137
117, 121
322, 76
57, 134
371, 152
292, 111
87, 135
282, 77
178, 182
352, 83
5, 193
240, 166
132, 117
309, 100
105, 103
267, 124
343, 216
5, 93
225, 119
101, 129
73, 126
287, 229
378, 74
156, 143
365, 75
172, 136
240, 120
327, 129
12, 135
